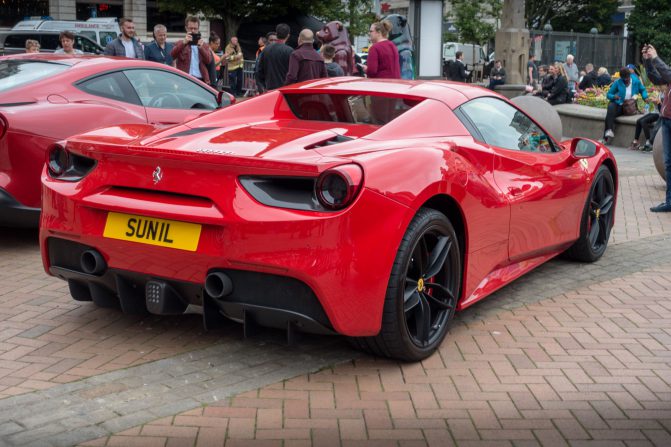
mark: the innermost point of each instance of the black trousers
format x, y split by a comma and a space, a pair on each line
614, 110
645, 123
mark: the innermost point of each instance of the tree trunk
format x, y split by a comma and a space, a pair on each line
231, 26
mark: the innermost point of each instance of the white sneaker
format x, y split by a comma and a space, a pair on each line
609, 134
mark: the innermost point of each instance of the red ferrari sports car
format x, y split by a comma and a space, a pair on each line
369, 208
45, 98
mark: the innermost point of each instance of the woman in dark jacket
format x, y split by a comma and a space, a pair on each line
559, 92
604, 78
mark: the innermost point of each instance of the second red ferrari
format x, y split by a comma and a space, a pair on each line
46, 98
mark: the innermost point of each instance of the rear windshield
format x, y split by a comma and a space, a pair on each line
14, 73
355, 109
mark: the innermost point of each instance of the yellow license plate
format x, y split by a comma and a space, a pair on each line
152, 231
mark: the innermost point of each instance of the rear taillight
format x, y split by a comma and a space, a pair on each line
59, 160
65, 165
337, 187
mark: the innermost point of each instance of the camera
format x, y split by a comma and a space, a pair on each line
195, 37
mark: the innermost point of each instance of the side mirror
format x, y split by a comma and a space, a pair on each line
581, 148
225, 99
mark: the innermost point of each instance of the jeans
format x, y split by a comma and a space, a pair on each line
494, 82
614, 110
666, 134
235, 81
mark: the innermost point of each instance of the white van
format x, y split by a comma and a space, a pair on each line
100, 30
470, 50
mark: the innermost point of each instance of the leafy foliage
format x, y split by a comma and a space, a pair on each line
649, 23
566, 15
471, 19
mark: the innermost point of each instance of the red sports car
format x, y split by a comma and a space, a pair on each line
45, 98
369, 208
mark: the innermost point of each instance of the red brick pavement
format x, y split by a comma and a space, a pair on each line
590, 365
47, 338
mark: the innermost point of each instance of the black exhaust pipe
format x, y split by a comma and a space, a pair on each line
218, 285
92, 262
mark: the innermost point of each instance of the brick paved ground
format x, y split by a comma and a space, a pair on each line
569, 355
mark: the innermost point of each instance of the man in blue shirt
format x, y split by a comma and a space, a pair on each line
159, 50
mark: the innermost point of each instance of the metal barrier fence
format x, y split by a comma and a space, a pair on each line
601, 50
248, 80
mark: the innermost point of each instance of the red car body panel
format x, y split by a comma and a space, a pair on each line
51, 109
517, 209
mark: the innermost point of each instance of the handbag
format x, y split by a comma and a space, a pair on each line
630, 107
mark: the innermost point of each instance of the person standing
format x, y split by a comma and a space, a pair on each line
67, 40
458, 68
126, 44
333, 69
215, 65
382, 61
263, 40
532, 71
572, 72
235, 61
192, 54
660, 74
159, 50
273, 64
305, 63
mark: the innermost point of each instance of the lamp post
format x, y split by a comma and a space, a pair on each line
547, 29
594, 33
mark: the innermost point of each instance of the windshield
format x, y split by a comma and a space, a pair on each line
14, 73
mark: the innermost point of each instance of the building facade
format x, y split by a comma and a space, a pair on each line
145, 13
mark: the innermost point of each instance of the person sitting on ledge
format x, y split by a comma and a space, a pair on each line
627, 87
497, 75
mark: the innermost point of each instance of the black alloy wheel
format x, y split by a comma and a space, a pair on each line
597, 219
423, 290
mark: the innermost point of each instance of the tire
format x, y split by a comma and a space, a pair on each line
597, 219
422, 292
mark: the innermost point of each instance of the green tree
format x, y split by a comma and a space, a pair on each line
649, 23
571, 15
474, 19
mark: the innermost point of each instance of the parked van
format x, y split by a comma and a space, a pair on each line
100, 30
450, 50
14, 42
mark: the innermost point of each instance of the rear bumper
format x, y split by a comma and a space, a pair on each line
13, 214
327, 271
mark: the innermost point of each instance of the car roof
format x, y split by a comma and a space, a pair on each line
451, 93
96, 64
82, 61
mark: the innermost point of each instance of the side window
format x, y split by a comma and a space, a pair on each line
49, 42
500, 124
112, 86
165, 90
85, 45
106, 37
17, 40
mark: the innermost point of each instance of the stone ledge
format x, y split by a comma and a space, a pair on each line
584, 121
